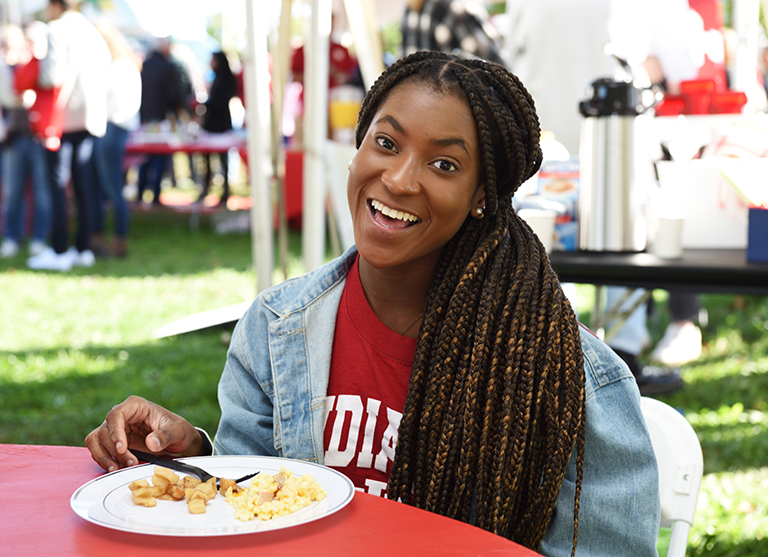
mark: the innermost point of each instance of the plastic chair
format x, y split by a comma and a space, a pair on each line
681, 466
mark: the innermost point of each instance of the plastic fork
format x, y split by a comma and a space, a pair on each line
182, 466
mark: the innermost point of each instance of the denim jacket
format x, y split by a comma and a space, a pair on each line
272, 397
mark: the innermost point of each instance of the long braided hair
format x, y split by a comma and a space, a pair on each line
495, 404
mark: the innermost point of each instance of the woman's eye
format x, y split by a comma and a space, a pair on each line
385, 143
446, 166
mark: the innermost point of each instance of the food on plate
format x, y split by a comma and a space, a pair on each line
168, 486
269, 497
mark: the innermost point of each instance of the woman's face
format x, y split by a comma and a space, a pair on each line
414, 180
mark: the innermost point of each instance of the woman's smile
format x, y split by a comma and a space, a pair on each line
389, 217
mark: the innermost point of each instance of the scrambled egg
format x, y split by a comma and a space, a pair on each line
269, 497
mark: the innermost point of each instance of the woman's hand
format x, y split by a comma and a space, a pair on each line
143, 425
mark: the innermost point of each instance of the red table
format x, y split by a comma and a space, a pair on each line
36, 483
143, 143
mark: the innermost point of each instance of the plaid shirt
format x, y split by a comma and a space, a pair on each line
457, 26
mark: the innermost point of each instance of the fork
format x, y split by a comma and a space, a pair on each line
181, 466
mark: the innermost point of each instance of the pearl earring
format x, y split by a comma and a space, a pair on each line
349, 166
479, 212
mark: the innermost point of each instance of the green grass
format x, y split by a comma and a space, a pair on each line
726, 401
73, 345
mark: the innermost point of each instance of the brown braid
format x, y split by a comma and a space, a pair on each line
495, 405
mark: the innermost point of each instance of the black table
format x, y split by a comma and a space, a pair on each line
699, 270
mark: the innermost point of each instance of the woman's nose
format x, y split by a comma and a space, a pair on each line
402, 178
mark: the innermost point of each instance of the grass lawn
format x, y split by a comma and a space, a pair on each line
73, 345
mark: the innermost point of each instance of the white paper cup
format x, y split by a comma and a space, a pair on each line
542, 221
669, 238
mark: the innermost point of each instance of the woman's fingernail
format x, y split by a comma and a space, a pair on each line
130, 463
118, 445
111, 469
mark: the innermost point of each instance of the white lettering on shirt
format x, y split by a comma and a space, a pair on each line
365, 458
353, 405
388, 440
348, 418
376, 488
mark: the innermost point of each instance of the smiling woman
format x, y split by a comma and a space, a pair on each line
438, 362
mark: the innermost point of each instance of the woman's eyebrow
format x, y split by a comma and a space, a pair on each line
452, 141
441, 142
394, 123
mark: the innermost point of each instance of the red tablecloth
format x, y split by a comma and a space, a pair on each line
36, 483
142, 143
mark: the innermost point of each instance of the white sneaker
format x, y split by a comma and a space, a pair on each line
36, 247
84, 258
681, 344
9, 248
49, 260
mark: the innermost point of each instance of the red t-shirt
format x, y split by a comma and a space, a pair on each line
370, 370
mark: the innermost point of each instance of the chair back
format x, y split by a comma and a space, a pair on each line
681, 466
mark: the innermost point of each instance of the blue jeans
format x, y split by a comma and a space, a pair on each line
109, 171
24, 156
151, 175
83, 182
633, 333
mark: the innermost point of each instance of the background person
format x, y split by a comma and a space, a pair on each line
218, 119
23, 153
445, 328
457, 26
78, 62
123, 102
161, 99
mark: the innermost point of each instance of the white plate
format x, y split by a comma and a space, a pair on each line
107, 501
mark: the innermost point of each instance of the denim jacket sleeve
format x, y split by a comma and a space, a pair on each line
245, 393
619, 504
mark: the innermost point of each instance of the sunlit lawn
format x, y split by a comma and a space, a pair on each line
72, 345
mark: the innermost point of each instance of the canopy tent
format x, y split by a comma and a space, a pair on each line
362, 17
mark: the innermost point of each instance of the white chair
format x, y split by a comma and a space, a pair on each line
681, 466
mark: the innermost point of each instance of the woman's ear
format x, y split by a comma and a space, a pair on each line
352, 160
478, 203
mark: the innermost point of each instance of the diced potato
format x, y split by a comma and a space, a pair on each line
196, 506
209, 490
167, 474
225, 484
144, 501
189, 481
138, 484
160, 481
144, 492
201, 494
176, 492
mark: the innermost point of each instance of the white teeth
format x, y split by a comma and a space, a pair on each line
393, 213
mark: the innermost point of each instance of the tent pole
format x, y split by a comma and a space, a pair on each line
257, 92
365, 34
316, 53
280, 62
